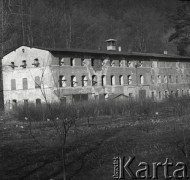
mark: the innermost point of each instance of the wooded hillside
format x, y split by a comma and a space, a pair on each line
142, 26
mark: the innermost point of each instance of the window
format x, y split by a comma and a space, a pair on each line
141, 79
14, 104
62, 81
37, 82
25, 103
166, 94
38, 102
13, 65
188, 92
128, 63
61, 61
160, 95
170, 79
152, 95
72, 61
140, 63
165, 79
152, 79
82, 62
84, 81
25, 83
112, 63
92, 62
120, 63
130, 95
172, 93
177, 93
94, 80
103, 80
73, 81
63, 101
112, 80
121, 82
177, 79
13, 84
36, 62
23, 64
129, 80
159, 79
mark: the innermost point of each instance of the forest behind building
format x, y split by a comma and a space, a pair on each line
140, 26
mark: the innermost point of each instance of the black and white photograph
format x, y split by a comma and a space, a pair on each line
94, 89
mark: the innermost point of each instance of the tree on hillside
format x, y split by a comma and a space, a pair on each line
181, 22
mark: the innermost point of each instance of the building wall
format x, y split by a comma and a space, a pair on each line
155, 71
43, 71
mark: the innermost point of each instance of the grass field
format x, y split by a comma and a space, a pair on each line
90, 150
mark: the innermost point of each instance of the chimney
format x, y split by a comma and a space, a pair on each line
165, 52
111, 44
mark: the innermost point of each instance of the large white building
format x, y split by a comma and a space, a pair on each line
36, 75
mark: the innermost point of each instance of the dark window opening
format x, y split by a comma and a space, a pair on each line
72, 62
80, 97
13, 65
25, 103
82, 62
23, 64
73, 81
103, 80
63, 101
152, 95
92, 62
94, 80
36, 63
38, 102
61, 61
84, 81
14, 104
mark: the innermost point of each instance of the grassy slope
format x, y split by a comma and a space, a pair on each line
90, 156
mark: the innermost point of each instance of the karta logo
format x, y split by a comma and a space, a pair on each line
122, 169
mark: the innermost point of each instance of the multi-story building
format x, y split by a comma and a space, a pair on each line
32, 74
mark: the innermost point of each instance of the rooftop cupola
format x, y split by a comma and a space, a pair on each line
111, 44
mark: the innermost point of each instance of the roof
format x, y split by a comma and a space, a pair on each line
114, 96
111, 40
118, 53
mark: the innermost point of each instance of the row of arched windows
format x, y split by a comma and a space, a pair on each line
84, 80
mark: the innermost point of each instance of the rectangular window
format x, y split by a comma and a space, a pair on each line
61, 61
13, 84
72, 61
25, 103
38, 102
25, 83
159, 78
160, 95
36, 63
14, 104
152, 95
170, 79
37, 82
23, 64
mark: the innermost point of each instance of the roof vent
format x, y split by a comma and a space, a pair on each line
111, 44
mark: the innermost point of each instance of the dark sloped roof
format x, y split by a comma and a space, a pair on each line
107, 53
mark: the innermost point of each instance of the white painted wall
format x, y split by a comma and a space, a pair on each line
43, 71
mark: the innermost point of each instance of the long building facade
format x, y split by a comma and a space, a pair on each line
37, 75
